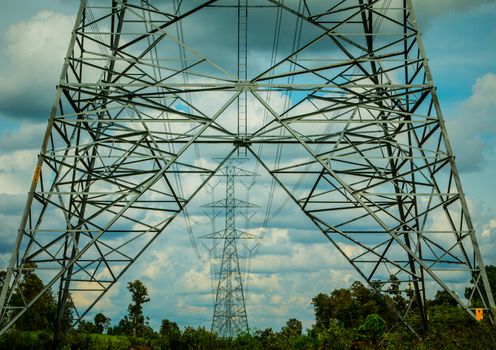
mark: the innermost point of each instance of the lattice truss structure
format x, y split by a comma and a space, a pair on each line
232, 245
341, 113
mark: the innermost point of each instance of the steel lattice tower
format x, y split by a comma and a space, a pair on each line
339, 95
230, 317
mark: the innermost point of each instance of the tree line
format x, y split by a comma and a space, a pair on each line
348, 318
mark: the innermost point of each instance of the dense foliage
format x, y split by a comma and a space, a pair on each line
352, 318
41, 315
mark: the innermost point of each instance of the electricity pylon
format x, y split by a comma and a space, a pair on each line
230, 318
342, 114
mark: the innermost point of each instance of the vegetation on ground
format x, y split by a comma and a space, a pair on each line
347, 318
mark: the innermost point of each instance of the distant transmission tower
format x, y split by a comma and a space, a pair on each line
344, 117
230, 317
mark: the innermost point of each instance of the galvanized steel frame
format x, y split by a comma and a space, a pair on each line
364, 128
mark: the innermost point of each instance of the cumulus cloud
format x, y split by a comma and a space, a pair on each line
278, 283
486, 231
34, 51
27, 136
32, 58
472, 130
11, 204
484, 221
16, 171
181, 286
11, 207
487, 243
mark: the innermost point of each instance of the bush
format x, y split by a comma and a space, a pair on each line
26, 340
335, 336
373, 328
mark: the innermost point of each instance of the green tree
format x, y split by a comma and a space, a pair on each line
334, 336
171, 332
3, 276
442, 297
450, 327
373, 328
101, 322
491, 276
41, 315
349, 306
86, 327
169, 328
243, 341
368, 300
395, 293
122, 328
139, 296
267, 339
292, 329
201, 339
322, 307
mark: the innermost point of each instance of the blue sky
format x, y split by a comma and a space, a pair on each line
458, 36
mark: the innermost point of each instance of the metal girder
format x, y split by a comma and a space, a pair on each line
342, 114
230, 317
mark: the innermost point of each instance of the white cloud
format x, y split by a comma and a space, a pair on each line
16, 171
473, 129
486, 231
32, 58
196, 279
179, 283
27, 136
